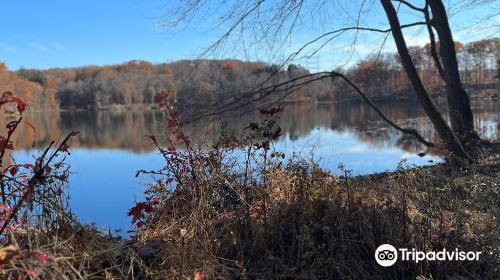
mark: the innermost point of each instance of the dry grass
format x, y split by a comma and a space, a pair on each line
303, 222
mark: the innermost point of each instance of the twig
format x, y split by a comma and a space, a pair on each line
32, 183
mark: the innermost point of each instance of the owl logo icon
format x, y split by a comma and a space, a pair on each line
386, 255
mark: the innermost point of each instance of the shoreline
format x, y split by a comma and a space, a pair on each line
485, 95
340, 220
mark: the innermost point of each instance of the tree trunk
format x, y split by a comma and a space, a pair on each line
461, 118
450, 140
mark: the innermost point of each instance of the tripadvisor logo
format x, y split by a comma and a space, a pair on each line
386, 255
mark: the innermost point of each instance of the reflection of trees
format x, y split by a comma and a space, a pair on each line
115, 130
127, 129
37, 129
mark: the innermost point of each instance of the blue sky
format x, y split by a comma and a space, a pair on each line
61, 33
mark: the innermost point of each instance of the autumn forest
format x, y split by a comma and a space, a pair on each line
206, 83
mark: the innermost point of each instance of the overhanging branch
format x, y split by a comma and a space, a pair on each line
334, 34
410, 5
410, 131
290, 86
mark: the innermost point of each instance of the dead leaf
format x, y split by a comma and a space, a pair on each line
7, 253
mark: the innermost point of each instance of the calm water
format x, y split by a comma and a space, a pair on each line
112, 146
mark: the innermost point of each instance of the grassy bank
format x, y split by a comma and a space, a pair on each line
304, 223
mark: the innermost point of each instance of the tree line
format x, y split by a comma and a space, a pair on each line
39, 95
208, 83
382, 75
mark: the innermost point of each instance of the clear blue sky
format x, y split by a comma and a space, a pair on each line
59, 33
62, 33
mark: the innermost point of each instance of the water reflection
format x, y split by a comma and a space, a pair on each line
127, 130
112, 145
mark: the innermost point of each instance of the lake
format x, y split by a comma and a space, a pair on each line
112, 146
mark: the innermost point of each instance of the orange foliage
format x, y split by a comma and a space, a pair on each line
167, 72
458, 46
10, 81
229, 65
207, 87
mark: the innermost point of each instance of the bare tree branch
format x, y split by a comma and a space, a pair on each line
334, 34
289, 87
233, 27
410, 5
432, 38
410, 131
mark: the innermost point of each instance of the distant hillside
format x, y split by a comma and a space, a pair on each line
198, 84
40, 96
190, 83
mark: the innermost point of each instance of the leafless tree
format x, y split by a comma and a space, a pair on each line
268, 26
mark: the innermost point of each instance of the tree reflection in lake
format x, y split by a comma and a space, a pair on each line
126, 130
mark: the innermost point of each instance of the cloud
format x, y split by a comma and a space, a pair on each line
361, 48
47, 48
417, 40
39, 47
480, 30
58, 46
7, 47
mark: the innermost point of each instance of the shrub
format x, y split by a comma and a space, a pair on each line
240, 209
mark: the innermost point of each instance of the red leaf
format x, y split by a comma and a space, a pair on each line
28, 166
31, 273
6, 94
3, 207
154, 200
138, 210
160, 97
21, 105
63, 177
41, 257
9, 97
11, 126
13, 170
199, 275
21, 108
170, 123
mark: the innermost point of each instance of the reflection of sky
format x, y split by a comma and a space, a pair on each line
104, 186
331, 148
489, 128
